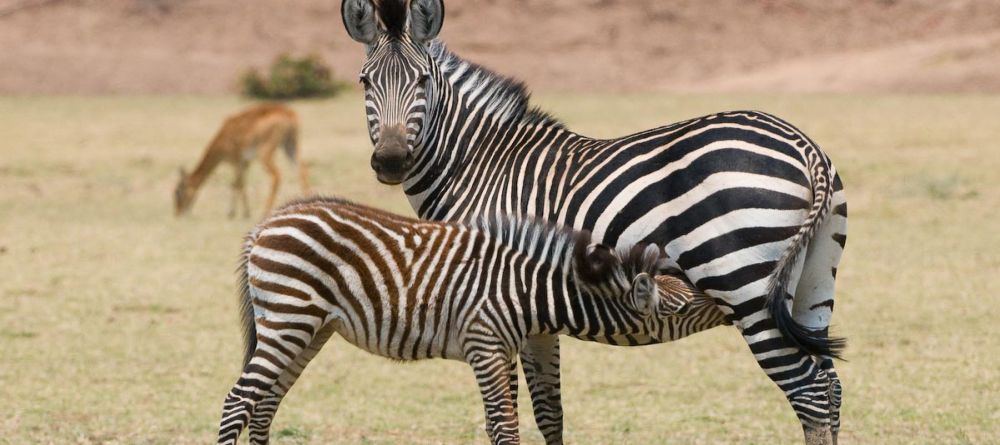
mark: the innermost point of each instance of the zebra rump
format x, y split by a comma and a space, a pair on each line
816, 342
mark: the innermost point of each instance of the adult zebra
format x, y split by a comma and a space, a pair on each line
748, 206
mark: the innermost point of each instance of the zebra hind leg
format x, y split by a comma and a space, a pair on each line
798, 374
263, 414
836, 392
267, 363
540, 361
814, 294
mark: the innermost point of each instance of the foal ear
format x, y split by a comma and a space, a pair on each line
426, 18
601, 257
645, 294
595, 262
359, 20
652, 254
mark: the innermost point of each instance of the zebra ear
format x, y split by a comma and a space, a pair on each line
601, 256
652, 253
645, 295
359, 20
426, 18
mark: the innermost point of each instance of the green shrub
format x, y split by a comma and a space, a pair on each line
291, 78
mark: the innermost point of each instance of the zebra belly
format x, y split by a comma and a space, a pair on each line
408, 342
725, 232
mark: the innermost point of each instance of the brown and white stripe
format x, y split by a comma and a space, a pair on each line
408, 290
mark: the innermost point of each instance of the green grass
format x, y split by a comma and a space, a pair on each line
118, 322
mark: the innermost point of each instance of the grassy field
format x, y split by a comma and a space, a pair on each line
118, 322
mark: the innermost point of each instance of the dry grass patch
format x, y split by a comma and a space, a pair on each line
118, 322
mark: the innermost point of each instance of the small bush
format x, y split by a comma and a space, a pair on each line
291, 78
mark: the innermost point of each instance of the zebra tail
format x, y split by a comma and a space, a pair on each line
246, 301
812, 341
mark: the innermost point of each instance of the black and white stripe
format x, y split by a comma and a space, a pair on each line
409, 290
749, 207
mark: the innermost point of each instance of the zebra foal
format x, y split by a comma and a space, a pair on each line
408, 290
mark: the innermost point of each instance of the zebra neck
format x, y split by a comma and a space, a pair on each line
476, 114
586, 315
544, 253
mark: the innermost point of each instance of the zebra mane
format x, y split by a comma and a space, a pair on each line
526, 234
392, 14
307, 201
529, 235
508, 98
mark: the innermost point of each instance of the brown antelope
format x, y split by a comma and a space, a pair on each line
254, 133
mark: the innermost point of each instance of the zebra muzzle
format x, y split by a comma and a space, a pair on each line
392, 158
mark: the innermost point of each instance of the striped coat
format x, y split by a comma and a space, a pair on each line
751, 209
407, 290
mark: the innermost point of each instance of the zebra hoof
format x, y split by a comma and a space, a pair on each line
819, 436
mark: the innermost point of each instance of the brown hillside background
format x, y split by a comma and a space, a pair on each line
201, 46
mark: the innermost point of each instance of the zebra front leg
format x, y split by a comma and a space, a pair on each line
512, 375
493, 376
512, 372
263, 414
540, 361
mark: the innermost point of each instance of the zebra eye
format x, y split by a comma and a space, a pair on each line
363, 79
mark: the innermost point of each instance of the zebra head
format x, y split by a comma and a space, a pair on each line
396, 75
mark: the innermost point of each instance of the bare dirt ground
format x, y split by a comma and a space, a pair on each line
200, 46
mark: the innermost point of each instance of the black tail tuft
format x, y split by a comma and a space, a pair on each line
812, 341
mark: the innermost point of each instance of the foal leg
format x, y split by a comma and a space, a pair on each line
278, 346
540, 361
493, 376
263, 414
512, 373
